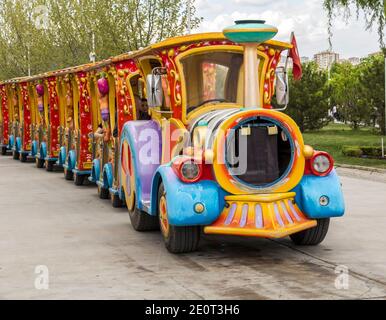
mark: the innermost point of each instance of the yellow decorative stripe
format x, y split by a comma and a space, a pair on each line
87, 165
270, 234
177, 41
262, 197
228, 183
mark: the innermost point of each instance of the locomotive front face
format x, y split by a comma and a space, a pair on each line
255, 151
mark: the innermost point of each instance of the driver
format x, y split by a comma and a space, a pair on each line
142, 108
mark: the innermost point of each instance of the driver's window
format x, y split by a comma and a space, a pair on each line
213, 77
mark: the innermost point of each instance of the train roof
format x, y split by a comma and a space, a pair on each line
211, 36
165, 44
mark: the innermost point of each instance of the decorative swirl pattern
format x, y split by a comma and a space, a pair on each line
26, 117
53, 144
5, 112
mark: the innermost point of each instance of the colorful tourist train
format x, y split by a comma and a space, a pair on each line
189, 134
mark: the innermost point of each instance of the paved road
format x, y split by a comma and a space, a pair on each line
92, 252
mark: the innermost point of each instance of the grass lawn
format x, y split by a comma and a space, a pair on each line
335, 136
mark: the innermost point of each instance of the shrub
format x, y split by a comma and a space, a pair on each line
372, 151
357, 151
352, 152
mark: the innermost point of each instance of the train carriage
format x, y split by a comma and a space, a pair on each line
102, 92
116, 86
26, 121
52, 148
78, 162
68, 97
40, 102
36, 119
4, 121
14, 115
19, 105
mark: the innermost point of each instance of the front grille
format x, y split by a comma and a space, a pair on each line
258, 153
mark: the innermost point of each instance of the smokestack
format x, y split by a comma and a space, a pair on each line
250, 34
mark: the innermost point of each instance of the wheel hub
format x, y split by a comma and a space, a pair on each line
164, 222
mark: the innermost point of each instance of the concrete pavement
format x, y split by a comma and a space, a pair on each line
92, 252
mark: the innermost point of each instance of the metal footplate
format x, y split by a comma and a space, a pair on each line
265, 216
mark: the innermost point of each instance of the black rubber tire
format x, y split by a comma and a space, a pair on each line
79, 179
180, 239
50, 166
314, 236
15, 155
3, 151
39, 163
103, 193
23, 157
142, 221
68, 175
116, 202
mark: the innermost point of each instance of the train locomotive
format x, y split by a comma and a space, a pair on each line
185, 134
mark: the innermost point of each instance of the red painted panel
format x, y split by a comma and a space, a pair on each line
5, 113
85, 122
26, 138
125, 111
53, 99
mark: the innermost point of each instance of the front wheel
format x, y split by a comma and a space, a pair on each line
79, 179
68, 175
3, 151
141, 221
23, 157
177, 239
103, 193
49, 166
39, 163
16, 155
314, 236
116, 201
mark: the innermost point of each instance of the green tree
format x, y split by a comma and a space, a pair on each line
53, 34
372, 89
309, 98
346, 95
375, 15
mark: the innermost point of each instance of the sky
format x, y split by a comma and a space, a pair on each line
306, 18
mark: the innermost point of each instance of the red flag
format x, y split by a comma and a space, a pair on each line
294, 55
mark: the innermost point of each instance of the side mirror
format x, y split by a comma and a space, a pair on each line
282, 87
154, 91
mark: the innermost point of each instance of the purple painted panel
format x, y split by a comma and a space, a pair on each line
146, 145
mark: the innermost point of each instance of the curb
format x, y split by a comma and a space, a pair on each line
367, 169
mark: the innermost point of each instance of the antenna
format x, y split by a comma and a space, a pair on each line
29, 59
93, 54
189, 11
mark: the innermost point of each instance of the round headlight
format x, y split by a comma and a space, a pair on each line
321, 164
190, 170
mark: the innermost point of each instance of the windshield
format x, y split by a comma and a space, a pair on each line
213, 77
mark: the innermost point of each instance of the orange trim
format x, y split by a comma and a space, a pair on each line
274, 221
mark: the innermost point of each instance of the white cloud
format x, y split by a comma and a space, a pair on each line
306, 18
